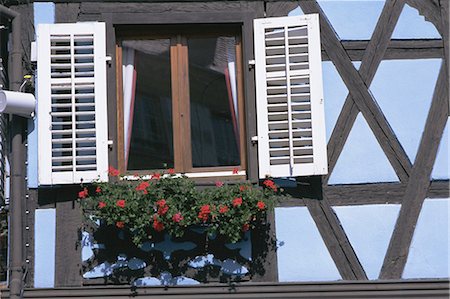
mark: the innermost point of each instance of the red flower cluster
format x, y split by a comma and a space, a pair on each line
112, 171
157, 225
143, 187
261, 205
120, 224
162, 207
237, 201
83, 194
120, 203
171, 171
223, 209
177, 217
270, 184
245, 227
156, 176
101, 205
242, 188
235, 170
219, 184
98, 190
204, 213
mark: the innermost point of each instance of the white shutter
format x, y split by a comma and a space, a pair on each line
72, 114
289, 96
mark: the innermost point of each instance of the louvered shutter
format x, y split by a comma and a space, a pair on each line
72, 114
289, 96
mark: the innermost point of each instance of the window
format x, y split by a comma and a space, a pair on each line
182, 99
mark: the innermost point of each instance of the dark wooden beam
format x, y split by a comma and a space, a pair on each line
445, 11
418, 185
366, 194
370, 61
396, 49
280, 8
361, 95
67, 12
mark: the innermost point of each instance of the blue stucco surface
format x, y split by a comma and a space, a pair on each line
369, 229
301, 254
352, 19
44, 248
362, 160
413, 25
429, 251
404, 89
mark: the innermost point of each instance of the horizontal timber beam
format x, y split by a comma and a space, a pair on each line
367, 194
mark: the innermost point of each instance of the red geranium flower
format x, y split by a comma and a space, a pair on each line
235, 170
242, 188
245, 227
112, 171
156, 176
120, 224
177, 217
161, 203
98, 190
143, 187
237, 201
171, 171
219, 184
270, 184
157, 225
101, 205
204, 213
162, 210
120, 203
223, 209
261, 205
83, 194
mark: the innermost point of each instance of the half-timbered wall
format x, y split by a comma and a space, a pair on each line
383, 207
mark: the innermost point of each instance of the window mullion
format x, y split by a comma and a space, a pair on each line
176, 93
185, 114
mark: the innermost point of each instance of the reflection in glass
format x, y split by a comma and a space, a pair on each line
213, 102
147, 105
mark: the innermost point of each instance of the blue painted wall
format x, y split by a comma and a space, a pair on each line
44, 248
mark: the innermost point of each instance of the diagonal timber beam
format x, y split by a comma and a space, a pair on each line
361, 95
333, 234
418, 185
335, 239
369, 64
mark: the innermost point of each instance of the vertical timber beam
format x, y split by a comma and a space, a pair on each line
361, 95
418, 185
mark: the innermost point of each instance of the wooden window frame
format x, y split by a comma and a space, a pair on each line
181, 127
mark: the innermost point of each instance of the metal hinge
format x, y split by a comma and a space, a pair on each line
254, 140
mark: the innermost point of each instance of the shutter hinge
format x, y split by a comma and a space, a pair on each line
251, 64
110, 144
108, 60
254, 140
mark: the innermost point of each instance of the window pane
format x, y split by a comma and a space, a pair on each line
148, 123
213, 101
